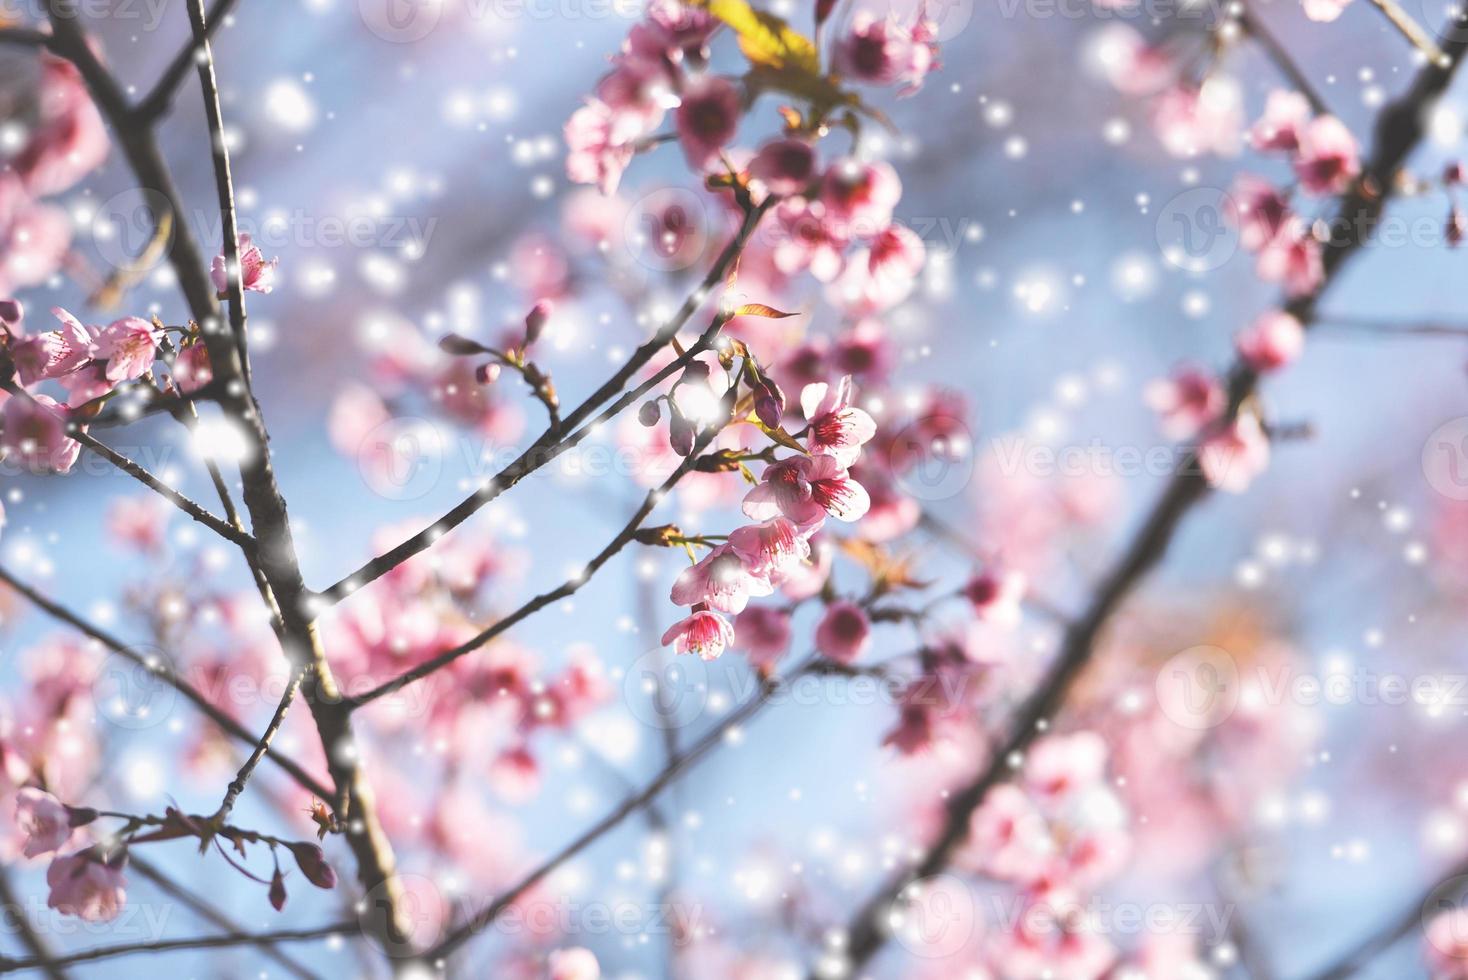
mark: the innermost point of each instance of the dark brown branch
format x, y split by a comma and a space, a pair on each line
1254, 27
165, 673
1399, 130
242, 778
8, 965
546, 448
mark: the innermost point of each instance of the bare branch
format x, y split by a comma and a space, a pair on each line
160, 97
237, 785
8, 965
1255, 28
1413, 32
1387, 329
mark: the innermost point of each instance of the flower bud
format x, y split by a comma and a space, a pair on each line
487, 373
11, 312
277, 891
680, 433
769, 403
535, 321
649, 414
312, 862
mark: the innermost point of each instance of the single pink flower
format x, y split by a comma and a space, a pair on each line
882, 275
69, 140
1191, 121
785, 166
764, 633
86, 886
129, 346
876, 50
191, 369
1286, 114
1187, 401
1059, 766
678, 30
255, 273
844, 633
808, 238
43, 819
1259, 211
996, 595
860, 195
1232, 458
1293, 258
35, 433
573, 963
772, 549
834, 426
721, 580
704, 632
598, 153
1271, 342
707, 119
53, 353
806, 489
1008, 836
1328, 158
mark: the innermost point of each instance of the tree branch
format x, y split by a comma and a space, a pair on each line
8, 965
242, 778
160, 97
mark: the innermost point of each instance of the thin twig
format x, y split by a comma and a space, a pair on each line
8, 965
160, 96
204, 910
164, 672
1413, 32
1384, 328
1280, 55
242, 778
545, 448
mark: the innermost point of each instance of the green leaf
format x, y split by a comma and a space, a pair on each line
766, 39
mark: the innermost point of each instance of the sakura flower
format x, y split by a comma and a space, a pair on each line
771, 549
637, 92
1259, 211
875, 51
835, 427
882, 275
573, 963
1328, 158
860, 195
806, 489
1232, 458
996, 596
722, 580
87, 383
1293, 258
1191, 121
785, 166
43, 819
808, 238
53, 353
704, 632
35, 432
1129, 63
762, 632
255, 273
191, 369
1008, 836
1286, 113
1271, 342
69, 140
128, 346
844, 633
139, 522
1062, 765
1187, 401
864, 351
679, 30
598, 152
34, 237
707, 119
87, 886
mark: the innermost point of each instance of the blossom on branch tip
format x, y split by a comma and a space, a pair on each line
722, 580
1271, 342
844, 632
835, 427
35, 433
256, 274
1234, 456
1187, 401
1328, 158
806, 489
704, 633
44, 820
129, 346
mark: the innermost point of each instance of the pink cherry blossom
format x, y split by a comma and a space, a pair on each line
771, 549
764, 633
1008, 837
722, 580
573, 963
139, 522
996, 595
875, 50
43, 819
70, 140
35, 433
1259, 210
1328, 158
883, 274
860, 195
599, 149
707, 119
844, 632
834, 426
1129, 63
1192, 121
1271, 342
1187, 401
865, 351
1233, 457
87, 886
34, 237
1293, 258
129, 346
785, 166
1059, 766
191, 368
53, 353
808, 239
256, 274
704, 632
1286, 113
806, 489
